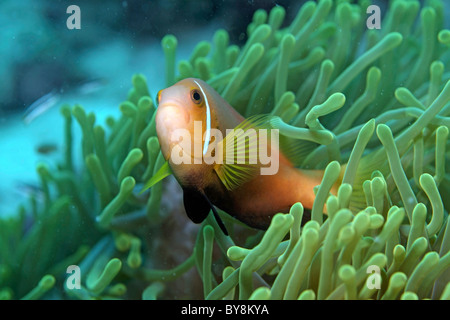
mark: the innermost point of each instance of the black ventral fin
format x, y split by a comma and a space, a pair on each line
197, 206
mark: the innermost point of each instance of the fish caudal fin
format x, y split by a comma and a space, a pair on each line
371, 166
393, 158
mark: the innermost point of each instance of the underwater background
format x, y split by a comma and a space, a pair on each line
78, 141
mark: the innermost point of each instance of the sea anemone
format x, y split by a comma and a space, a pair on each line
374, 101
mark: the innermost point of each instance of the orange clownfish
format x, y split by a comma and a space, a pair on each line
195, 125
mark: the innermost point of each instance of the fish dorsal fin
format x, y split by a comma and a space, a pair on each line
296, 143
240, 152
163, 172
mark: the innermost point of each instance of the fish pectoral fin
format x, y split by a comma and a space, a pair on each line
163, 172
240, 150
197, 206
234, 175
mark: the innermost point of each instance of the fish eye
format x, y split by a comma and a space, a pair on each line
196, 97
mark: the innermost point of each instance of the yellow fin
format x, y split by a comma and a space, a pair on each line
240, 150
163, 172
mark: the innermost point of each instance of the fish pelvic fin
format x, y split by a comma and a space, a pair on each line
163, 172
197, 207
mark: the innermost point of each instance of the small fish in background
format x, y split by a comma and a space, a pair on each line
40, 106
91, 86
46, 148
49, 100
28, 189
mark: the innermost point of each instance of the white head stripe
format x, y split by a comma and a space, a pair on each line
208, 120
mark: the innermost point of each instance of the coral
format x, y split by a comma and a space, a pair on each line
375, 103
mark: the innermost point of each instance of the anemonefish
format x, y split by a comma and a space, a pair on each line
238, 188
